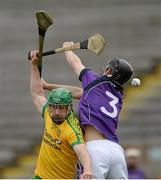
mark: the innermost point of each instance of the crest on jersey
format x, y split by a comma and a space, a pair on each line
58, 132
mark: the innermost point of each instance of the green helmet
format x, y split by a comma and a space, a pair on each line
60, 96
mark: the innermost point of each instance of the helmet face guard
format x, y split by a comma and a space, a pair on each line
59, 100
59, 112
119, 70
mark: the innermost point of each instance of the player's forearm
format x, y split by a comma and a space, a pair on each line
84, 158
72, 58
85, 162
74, 61
35, 81
76, 91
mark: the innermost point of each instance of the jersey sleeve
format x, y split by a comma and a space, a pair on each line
75, 135
87, 76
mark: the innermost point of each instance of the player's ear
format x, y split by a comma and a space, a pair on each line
108, 71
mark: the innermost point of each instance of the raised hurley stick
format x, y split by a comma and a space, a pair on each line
43, 21
95, 43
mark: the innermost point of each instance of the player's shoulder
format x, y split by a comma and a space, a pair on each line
73, 123
87, 72
74, 132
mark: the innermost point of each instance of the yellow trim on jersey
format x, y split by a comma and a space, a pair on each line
57, 159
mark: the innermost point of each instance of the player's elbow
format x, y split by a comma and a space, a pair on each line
78, 67
34, 96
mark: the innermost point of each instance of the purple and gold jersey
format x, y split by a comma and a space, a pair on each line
100, 103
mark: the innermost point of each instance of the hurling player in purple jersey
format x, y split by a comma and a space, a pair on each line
99, 110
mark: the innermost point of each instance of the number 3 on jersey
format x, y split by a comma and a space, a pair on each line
112, 104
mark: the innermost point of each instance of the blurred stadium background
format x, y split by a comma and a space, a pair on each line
132, 30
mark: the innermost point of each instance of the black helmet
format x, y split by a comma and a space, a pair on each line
120, 70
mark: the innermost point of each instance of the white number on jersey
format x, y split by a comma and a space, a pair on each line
112, 104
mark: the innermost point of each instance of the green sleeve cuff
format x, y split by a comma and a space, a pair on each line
76, 143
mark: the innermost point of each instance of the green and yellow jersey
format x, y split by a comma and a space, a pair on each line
57, 159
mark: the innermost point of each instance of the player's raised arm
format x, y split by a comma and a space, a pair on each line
36, 88
73, 60
76, 91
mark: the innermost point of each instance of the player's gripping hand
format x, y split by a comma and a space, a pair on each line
87, 175
34, 57
67, 44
